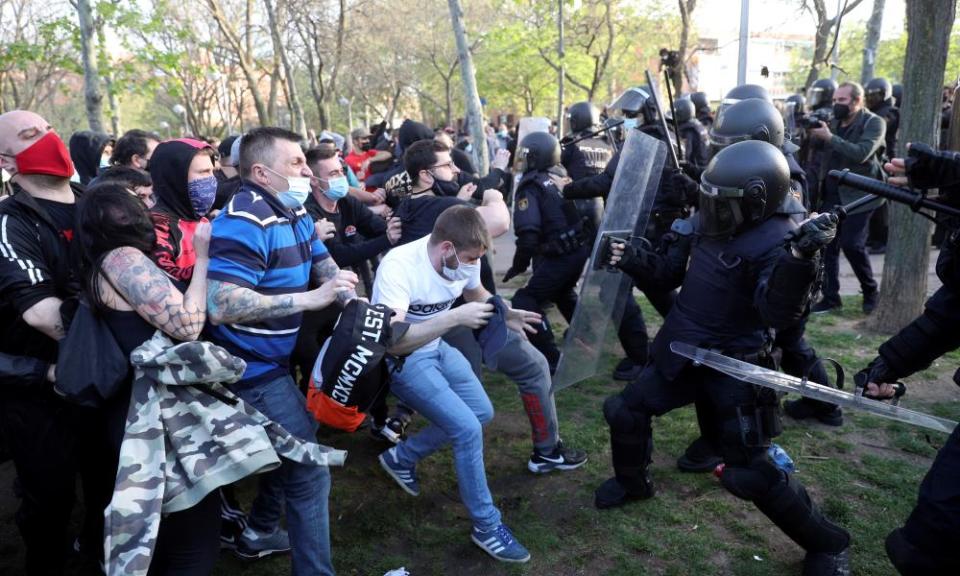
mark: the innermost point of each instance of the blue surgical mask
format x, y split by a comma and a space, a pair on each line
337, 187
104, 161
297, 192
629, 123
461, 272
202, 194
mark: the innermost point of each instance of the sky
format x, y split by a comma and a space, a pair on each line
721, 18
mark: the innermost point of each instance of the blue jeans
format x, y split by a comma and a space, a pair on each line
440, 385
304, 489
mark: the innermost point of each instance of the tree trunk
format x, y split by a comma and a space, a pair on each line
92, 96
244, 55
686, 22
873, 40
908, 251
113, 105
296, 110
470, 94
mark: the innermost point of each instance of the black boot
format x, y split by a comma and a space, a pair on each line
803, 408
823, 564
612, 494
700, 456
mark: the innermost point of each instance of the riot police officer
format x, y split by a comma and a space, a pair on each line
878, 96
702, 105
584, 156
556, 237
693, 134
740, 282
756, 119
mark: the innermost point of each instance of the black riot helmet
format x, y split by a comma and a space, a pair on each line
752, 119
539, 150
685, 110
700, 101
582, 116
897, 94
743, 92
744, 184
798, 102
631, 101
820, 94
877, 91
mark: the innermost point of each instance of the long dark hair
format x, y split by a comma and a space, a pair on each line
109, 217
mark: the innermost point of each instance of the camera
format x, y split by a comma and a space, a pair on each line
814, 118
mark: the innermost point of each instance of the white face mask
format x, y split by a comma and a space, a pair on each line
461, 272
297, 192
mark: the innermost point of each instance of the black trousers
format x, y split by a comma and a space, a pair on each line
852, 240
51, 443
554, 280
927, 542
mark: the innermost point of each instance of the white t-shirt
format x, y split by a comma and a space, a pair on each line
406, 280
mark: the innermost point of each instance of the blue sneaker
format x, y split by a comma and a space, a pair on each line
405, 477
500, 544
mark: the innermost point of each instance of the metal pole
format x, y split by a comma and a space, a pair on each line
561, 70
744, 40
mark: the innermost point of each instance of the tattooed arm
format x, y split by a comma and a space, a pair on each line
44, 316
138, 281
326, 270
230, 304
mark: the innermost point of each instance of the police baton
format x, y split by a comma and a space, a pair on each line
597, 132
915, 200
655, 94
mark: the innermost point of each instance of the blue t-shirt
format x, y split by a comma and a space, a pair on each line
260, 244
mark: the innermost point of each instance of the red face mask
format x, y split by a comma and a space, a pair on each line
48, 155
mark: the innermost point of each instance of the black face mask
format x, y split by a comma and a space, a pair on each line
366, 146
841, 111
444, 187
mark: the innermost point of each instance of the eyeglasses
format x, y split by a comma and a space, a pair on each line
449, 165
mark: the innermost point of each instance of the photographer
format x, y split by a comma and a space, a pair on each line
854, 140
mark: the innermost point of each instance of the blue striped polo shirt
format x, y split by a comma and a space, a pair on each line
260, 244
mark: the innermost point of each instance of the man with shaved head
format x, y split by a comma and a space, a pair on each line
45, 435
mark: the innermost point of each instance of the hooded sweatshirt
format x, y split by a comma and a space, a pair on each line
409, 132
174, 218
86, 148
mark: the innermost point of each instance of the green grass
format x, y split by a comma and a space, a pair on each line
864, 475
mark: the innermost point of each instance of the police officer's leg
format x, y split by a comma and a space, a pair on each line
748, 421
629, 415
800, 359
551, 278
927, 542
704, 453
632, 332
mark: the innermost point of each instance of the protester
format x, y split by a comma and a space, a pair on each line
136, 181
185, 188
363, 153
135, 298
134, 149
90, 151
264, 252
420, 281
228, 164
49, 440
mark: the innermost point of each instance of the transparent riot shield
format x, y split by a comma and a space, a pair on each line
791, 130
603, 293
527, 126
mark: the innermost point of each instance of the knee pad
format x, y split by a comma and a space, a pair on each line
753, 481
617, 415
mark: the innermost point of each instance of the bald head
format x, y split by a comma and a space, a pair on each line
19, 129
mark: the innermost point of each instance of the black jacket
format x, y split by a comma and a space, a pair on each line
360, 236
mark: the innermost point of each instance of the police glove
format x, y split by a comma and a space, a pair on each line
521, 261
686, 186
813, 235
877, 381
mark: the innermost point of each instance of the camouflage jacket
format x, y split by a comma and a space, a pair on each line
186, 435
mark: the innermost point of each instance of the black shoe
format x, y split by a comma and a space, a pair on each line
870, 301
823, 564
803, 408
627, 370
699, 457
825, 306
612, 494
562, 458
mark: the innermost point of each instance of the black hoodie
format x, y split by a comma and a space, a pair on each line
174, 218
86, 148
409, 132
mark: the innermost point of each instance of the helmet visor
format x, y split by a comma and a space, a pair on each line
720, 213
